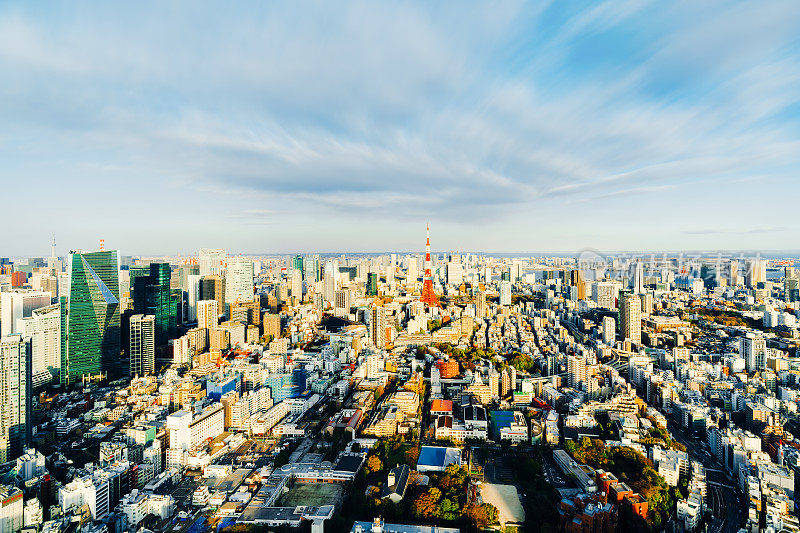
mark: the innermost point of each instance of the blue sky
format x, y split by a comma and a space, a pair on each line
509, 126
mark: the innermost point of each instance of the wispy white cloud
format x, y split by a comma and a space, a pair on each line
466, 113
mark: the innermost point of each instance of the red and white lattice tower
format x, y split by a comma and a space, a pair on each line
428, 297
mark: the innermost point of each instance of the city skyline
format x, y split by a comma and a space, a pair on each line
622, 127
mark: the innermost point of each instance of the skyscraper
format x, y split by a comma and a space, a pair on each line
377, 326
753, 349
604, 294
329, 281
211, 261
152, 296
505, 292
756, 272
193, 296
207, 314
142, 345
638, 278
372, 284
91, 332
19, 303
609, 330
239, 281
297, 285
213, 288
44, 329
411, 269
428, 297
576, 371
630, 313
15, 396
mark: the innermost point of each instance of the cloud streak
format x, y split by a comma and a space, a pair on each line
467, 115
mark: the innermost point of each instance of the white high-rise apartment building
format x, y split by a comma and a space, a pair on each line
15, 396
142, 345
297, 285
44, 329
576, 371
630, 314
212, 260
609, 330
505, 293
377, 326
19, 303
329, 281
207, 314
239, 281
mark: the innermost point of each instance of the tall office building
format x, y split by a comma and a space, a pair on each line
377, 326
372, 284
311, 269
481, 309
91, 328
505, 293
609, 330
630, 313
212, 261
207, 314
142, 345
604, 294
44, 329
192, 296
791, 286
638, 278
733, 273
342, 302
753, 350
272, 325
455, 274
297, 285
412, 269
239, 281
576, 280
19, 303
756, 272
297, 263
213, 288
153, 296
329, 281
15, 396
516, 271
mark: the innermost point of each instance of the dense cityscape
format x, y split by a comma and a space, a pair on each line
364, 266
402, 392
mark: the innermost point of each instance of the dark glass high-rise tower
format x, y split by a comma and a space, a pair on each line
152, 296
91, 338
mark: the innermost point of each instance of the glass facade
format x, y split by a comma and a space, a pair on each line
152, 296
372, 284
92, 336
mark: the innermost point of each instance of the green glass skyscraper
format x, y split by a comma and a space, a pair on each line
372, 284
91, 339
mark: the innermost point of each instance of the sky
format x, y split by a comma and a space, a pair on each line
280, 127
